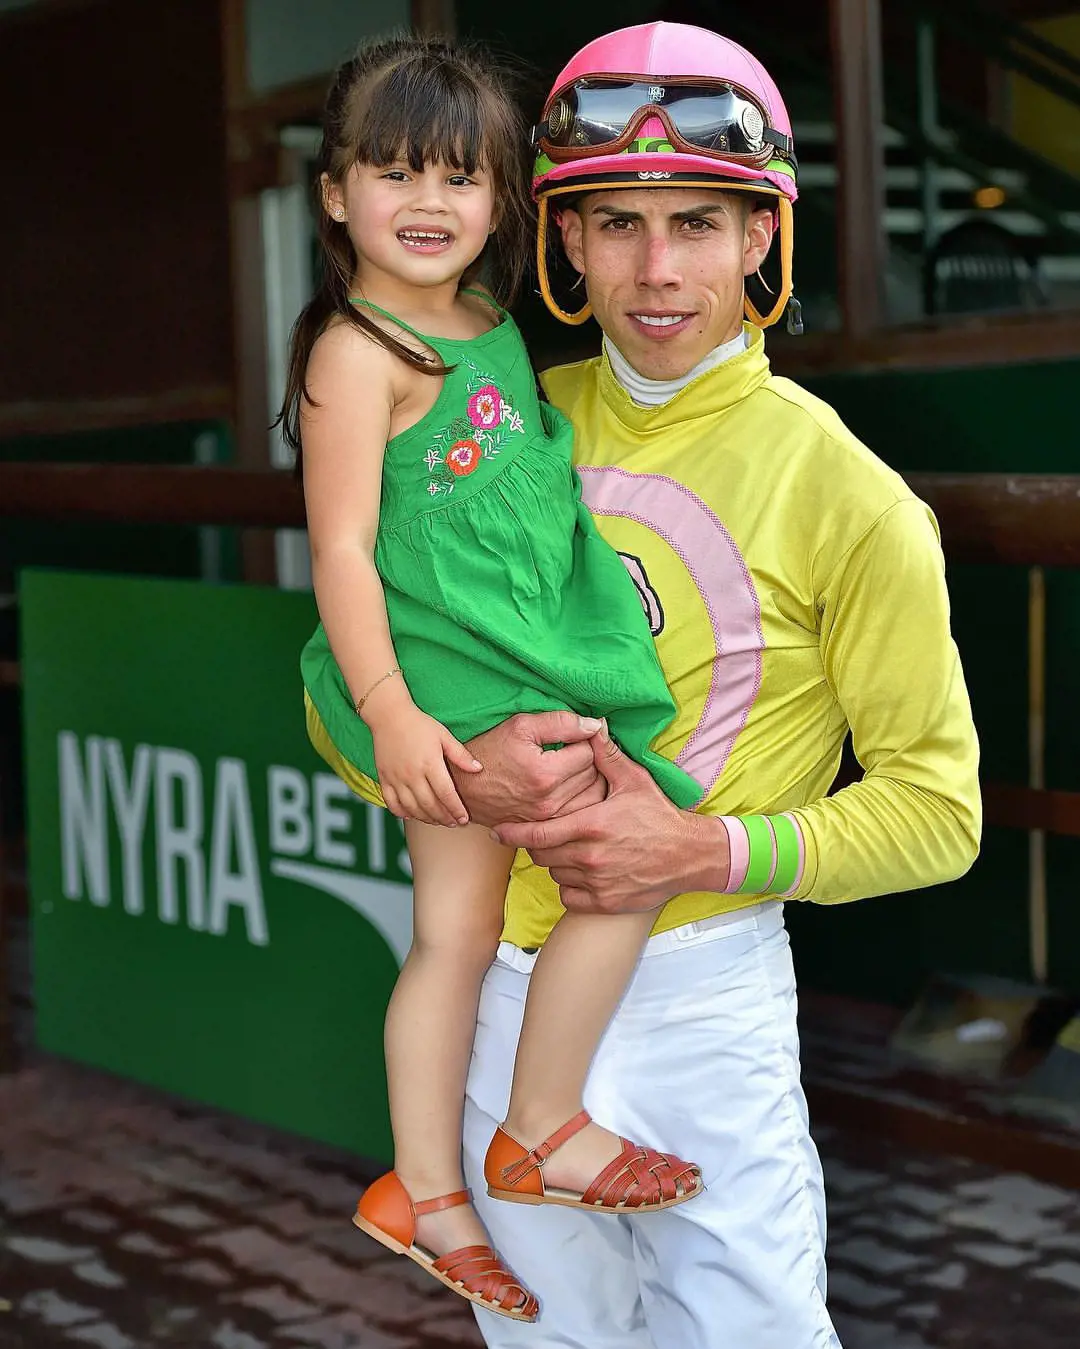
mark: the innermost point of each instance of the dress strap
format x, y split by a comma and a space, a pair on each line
483, 295
405, 327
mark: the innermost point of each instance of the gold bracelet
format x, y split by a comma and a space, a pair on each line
381, 679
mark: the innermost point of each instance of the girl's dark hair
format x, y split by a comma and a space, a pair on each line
417, 99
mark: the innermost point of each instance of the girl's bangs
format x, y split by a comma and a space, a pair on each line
419, 118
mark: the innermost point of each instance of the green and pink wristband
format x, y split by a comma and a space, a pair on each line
767, 854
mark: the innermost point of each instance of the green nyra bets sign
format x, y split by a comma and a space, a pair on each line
213, 912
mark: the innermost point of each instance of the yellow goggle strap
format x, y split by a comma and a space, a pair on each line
582, 315
787, 248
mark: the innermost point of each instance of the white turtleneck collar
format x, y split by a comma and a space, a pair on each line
653, 393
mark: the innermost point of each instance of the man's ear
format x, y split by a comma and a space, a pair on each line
760, 227
573, 230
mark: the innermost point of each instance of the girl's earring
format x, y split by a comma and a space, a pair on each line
339, 214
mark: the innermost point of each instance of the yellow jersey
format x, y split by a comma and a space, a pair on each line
796, 589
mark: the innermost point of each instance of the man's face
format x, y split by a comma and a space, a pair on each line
664, 269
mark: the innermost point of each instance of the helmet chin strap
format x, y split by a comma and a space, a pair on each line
787, 244
583, 314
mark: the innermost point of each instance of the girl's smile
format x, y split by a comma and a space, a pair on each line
425, 240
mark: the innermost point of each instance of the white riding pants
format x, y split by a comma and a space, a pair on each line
701, 1059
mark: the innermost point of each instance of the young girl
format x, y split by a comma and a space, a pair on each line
460, 580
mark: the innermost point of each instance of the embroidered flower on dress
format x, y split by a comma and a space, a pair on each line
463, 457
486, 407
466, 440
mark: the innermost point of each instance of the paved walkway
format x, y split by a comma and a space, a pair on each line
129, 1220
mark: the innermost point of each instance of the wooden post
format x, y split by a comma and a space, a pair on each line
926, 86
251, 397
9, 679
434, 16
859, 112
1037, 898
7, 1016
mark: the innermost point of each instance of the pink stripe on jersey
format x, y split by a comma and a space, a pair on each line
723, 580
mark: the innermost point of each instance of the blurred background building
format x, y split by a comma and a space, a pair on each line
156, 240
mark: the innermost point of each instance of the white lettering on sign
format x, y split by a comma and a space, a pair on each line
212, 883
178, 812
329, 817
376, 840
233, 836
290, 818
129, 803
84, 849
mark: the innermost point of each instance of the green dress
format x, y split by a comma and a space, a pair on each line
502, 597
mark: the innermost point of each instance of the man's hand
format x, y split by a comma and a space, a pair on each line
633, 851
523, 781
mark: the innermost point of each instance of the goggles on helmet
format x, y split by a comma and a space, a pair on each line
601, 116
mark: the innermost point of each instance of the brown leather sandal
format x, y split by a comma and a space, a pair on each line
475, 1273
639, 1180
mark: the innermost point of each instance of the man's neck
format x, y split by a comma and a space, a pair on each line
654, 392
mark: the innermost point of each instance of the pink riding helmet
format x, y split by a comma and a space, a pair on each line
667, 50
669, 54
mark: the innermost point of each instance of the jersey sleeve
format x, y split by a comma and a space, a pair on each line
915, 818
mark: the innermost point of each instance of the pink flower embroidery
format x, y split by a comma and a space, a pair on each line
463, 457
485, 407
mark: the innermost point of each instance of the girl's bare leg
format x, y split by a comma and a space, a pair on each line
575, 987
459, 885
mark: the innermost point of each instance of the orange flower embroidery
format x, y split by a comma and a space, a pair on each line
463, 457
